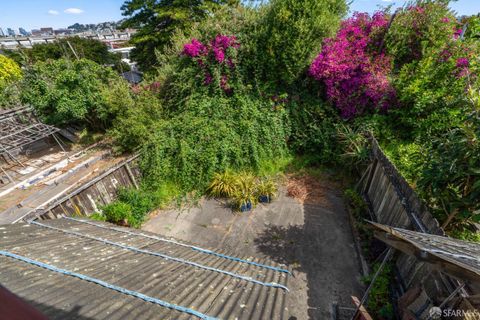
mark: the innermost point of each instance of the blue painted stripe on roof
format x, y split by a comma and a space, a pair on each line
206, 251
164, 256
107, 285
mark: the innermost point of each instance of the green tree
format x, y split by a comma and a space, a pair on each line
156, 21
78, 91
290, 33
420, 26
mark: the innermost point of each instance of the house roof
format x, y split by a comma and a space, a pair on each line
458, 258
93, 270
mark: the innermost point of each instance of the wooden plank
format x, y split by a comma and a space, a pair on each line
362, 313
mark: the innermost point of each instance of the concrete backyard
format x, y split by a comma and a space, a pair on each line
312, 237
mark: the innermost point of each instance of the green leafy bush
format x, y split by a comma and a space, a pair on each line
245, 190
118, 212
211, 135
79, 91
432, 92
266, 188
417, 27
288, 35
135, 120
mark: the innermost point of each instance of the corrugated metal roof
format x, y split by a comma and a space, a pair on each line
61, 296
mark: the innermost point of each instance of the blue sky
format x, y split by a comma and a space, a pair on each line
462, 7
33, 14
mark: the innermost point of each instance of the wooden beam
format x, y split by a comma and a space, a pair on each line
362, 313
441, 264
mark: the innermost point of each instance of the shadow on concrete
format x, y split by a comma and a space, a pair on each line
321, 250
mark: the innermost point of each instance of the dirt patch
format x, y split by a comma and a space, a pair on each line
307, 189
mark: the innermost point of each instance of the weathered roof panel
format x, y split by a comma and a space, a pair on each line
456, 257
212, 293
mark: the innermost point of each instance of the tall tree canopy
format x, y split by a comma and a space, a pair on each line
157, 20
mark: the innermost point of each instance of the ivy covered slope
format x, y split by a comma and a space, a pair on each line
218, 111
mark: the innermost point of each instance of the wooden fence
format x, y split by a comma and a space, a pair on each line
393, 202
99, 191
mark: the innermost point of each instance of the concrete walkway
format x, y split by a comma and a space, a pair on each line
313, 239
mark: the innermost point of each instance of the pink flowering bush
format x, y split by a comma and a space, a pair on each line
354, 70
214, 58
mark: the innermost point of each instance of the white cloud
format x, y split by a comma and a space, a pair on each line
53, 12
73, 11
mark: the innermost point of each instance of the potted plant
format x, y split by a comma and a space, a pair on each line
245, 197
223, 185
266, 191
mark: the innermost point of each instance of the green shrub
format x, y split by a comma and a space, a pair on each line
211, 135
288, 35
118, 212
80, 91
354, 146
245, 190
418, 27
432, 92
313, 128
135, 122
408, 158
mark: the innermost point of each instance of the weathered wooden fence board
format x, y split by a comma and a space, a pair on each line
396, 204
99, 191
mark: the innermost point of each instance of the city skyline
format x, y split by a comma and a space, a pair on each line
57, 14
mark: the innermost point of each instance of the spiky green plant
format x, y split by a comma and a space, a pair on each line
266, 187
245, 192
223, 185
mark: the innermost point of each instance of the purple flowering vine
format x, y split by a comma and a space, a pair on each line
355, 74
216, 52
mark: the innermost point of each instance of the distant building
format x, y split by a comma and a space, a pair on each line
11, 32
22, 31
46, 31
2, 34
36, 32
62, 31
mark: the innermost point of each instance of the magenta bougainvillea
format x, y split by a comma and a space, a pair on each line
353, 68
215, 54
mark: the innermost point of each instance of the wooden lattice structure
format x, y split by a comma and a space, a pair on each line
19, 128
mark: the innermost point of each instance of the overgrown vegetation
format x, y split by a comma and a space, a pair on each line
74, 91
238, 85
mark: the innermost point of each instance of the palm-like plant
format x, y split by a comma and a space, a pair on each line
245, 195
266, 189
223, 185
